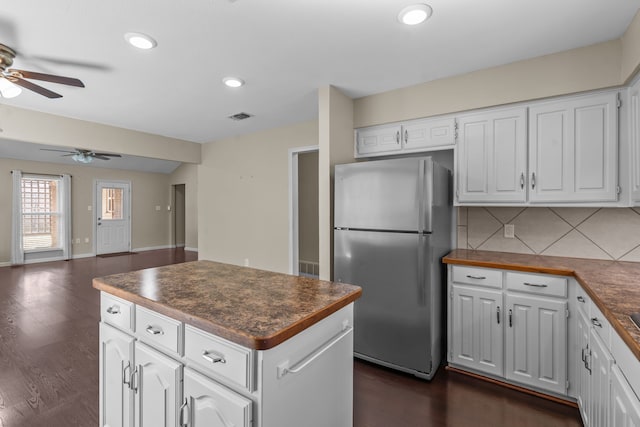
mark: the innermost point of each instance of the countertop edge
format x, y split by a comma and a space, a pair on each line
619, 328
238, 337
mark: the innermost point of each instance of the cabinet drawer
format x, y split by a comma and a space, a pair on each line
477, 276
600, 324
158, 330
219, 357
537, 284
116, 311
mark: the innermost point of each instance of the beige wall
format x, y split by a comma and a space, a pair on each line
187, 174
243, 193
308, 206
149, 228
32, 126
631, 50
335, 136
587, 68
600, 233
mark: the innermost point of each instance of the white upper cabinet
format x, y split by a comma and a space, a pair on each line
573, 150
492, 156
408, 137
634, 135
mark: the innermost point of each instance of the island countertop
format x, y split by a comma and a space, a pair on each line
612, 285
255, 308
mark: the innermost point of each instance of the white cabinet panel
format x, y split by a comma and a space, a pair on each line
599, 363
573, 150
376, 139
624, 406
583, 375
476, 329
157, 385
428, 133
634, 135
492, 156
536, 342
116, 362
209, 404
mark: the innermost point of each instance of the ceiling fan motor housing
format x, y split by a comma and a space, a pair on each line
6, 57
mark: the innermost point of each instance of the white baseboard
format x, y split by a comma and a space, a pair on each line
190, 249
38, 260
88, 255
152, 248
5, 264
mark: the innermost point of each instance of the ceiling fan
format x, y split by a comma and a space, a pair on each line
7, 55
84, 156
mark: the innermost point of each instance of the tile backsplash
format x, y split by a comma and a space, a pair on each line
600, 233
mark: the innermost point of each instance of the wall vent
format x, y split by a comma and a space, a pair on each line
240, 116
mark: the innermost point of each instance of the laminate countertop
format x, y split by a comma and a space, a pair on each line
614, 286
254, 308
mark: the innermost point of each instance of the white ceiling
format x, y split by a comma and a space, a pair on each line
284, 49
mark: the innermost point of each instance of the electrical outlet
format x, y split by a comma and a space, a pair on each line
246, 262
86, 240
78, 240
157, 208
89, 208
509, 231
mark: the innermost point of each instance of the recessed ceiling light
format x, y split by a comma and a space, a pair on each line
141, 41
233, 81
415, 14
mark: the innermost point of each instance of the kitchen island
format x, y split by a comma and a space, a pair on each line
205, 343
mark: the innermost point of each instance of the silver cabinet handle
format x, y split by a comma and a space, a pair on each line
522, 181
498, 315
284, 370
510, 318
126, 379
596, 322
134, 380
216, 358
535, 285
154, 330
114, 309
581, 298
183, 422
533, 180
476, 277
406, 136
397, 137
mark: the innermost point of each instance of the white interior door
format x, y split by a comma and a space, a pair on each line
113, 218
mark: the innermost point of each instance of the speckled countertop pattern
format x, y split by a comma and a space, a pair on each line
254, 308
614, 286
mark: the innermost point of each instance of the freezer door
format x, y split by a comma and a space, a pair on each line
384, 195
392, 321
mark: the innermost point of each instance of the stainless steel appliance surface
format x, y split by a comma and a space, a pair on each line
392, 223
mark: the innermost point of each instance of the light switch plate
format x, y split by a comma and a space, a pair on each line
509, 231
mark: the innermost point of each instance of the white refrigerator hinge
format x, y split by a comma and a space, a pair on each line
618, 189
567, 385
567, 313
619, 101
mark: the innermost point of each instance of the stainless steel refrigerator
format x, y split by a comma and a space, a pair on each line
392, 224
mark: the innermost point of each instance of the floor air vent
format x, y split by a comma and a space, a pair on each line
240, 116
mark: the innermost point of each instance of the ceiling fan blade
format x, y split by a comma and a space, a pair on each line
95, 156
33, 87
61, 151
107, 154
69, 81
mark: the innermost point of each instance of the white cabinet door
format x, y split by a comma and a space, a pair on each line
157, 385
208, 404
573, 150
536, 342
599, 362
634, 134
116, 362
378, 139
428, 133
476, 329
625, 407
492, 156
583, 328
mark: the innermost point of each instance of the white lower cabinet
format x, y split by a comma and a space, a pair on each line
624, 410
166, 374
536, 342
510, 326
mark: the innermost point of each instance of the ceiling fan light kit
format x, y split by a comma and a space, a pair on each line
82, 158
140, 40
8, 89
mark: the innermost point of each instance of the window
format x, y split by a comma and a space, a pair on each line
112, 203
40, 213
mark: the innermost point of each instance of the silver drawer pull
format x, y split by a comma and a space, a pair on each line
580, 298
114, 309
215, 358
596, 322
154, 330
535, 285
476, 277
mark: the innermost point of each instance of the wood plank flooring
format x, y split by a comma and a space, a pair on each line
49, 317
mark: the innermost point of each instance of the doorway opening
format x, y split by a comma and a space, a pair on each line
303, 208
179, 210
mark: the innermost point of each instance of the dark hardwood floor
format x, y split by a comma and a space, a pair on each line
49, 317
